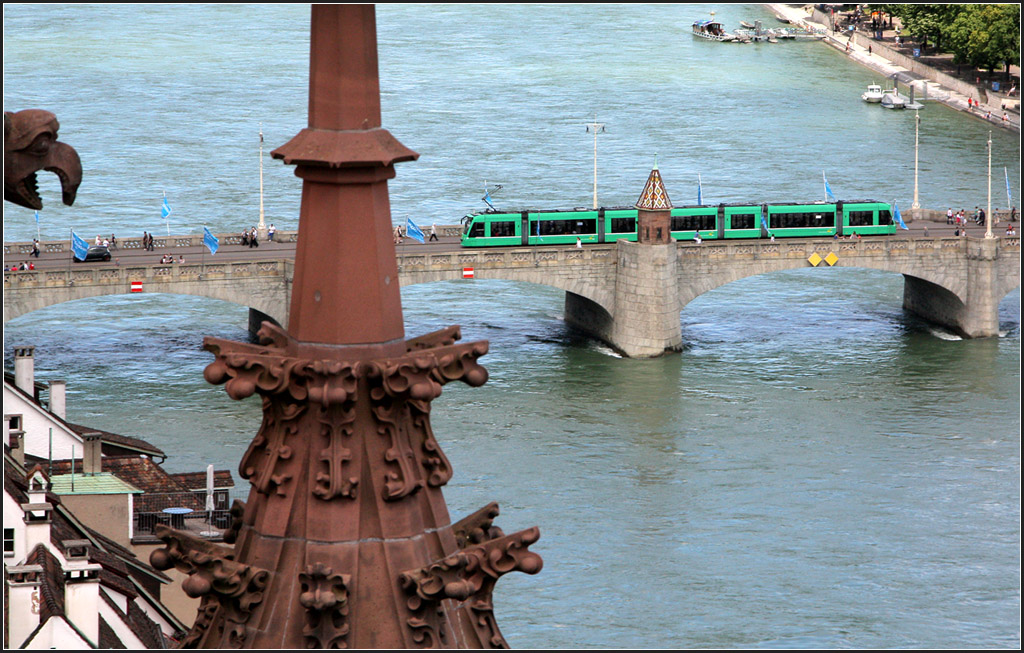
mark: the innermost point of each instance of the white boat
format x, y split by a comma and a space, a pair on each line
873, 94
711, 30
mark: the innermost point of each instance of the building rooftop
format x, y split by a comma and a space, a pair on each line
102, 483
654, 196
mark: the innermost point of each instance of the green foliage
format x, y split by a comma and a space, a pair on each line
986, 36
983, 36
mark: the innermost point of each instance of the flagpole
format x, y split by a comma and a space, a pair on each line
1009, 200
262, 225
167, 218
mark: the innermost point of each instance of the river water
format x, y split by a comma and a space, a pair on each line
816, 468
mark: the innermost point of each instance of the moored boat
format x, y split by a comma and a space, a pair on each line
711, 30
893, 100
873, 94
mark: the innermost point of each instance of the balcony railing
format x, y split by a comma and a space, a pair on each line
183, 511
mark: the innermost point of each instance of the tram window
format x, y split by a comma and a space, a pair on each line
693, 222
802, 220
503, 228
884, 217
862, 218
567, 227
623, 225
742, 220
477, 231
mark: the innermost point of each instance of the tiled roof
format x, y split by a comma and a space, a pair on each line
108, 638
139, 471
51, 585
197, 480
654, 196
120, 440
115, 439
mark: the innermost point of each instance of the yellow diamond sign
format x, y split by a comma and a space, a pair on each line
814, 260
831, 258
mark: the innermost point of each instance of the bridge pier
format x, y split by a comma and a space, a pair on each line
256, 319
644, 323
977, 314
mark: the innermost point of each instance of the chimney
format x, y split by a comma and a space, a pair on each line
24, 370
92, 457
23, 602
82, 589
38, 510
58, 398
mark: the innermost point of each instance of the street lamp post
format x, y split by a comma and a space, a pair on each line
917, 128
988, 207
595, 127
262, 226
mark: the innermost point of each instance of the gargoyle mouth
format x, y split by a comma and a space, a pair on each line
30, 145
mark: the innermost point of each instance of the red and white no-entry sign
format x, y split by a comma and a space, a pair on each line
467, 273
136, 286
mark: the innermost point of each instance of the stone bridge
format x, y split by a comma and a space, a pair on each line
627, 294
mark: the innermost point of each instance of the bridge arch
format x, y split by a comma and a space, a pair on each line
263, 286
591, 286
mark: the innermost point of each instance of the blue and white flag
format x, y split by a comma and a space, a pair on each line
413, 231
897, 217
78, 246
37, 212
763, 223
487, 199
828, 190
165, 212
699, 198
211, 241
1009, 198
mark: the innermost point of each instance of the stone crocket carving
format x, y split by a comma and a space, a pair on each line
30, 145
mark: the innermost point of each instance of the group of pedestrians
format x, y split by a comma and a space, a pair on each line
973, 105
147, 241
109, 243
250, 237
959, 218
24, 265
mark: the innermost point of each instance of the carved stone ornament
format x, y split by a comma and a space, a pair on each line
468, 577
212, 574
325, 597
399, 391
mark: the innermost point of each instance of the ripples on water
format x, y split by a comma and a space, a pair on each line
815, 469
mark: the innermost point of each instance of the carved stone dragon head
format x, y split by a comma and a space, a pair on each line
30, 145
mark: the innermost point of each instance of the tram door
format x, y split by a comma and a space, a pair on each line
525, 228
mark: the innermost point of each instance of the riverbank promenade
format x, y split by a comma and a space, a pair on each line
882, 56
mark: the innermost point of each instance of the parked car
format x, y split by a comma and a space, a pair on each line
96, 253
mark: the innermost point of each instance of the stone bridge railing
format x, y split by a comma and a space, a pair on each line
170, 242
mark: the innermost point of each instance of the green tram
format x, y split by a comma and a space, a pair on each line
722, 221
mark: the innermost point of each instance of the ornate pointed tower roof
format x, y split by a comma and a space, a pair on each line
654, 196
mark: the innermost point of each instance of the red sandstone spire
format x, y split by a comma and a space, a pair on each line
345, 540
